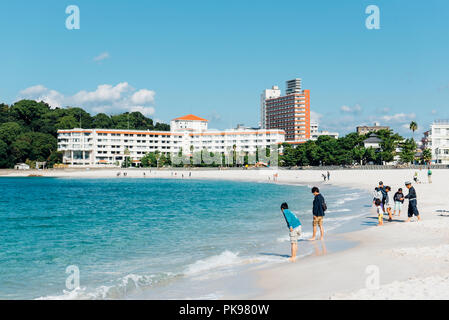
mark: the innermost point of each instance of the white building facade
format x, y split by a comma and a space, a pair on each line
272, 93
437, 139
189, 134
315, 133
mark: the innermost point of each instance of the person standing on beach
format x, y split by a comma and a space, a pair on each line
389, 203
319, 207
377, 195
380, 213
384, 195
294, 226
328, 176
412, 202
429, 175
398, 202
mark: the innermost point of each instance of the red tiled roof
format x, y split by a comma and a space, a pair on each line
190, 117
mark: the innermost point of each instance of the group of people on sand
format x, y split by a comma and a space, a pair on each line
383, 200
294, 224
326, 176
387, 204
429, 176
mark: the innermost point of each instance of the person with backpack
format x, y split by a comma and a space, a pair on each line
383, 190
319, 207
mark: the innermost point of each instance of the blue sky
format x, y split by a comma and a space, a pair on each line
213, 58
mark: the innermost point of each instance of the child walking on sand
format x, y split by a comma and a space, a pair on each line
380, 213
294, 226
376, 195
398, 202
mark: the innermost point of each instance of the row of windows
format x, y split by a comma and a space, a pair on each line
132, 135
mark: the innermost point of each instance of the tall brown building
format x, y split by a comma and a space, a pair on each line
290, 113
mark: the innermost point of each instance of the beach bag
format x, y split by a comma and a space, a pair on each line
324, 205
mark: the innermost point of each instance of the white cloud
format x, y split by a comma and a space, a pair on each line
143, 96
102, 56
406, 126
146, 111
105, 98
34, 90
399, 117
315, 116
104, 92
355, 109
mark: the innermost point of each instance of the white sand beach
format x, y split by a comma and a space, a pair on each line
411, 259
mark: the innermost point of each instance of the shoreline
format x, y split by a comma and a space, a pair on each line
410, 258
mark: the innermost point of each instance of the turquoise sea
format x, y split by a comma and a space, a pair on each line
133, 235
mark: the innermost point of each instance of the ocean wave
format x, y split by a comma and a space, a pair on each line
337, 210
226, 258
130, 283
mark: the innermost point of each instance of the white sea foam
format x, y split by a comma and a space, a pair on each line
128, 284
337, 210
226, 258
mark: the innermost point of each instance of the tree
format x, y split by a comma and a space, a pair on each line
5, 158
370, 155
149, 160
67, 122
358, 154
5, 115
9, 131
413, 127
33, 146
29, 116
127, 162
162, 126
102, 121
133, 120
54, 158
426, 156
83, 118
408, 150
28, 112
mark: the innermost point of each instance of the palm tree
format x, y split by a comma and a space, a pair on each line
413, 127
126, 152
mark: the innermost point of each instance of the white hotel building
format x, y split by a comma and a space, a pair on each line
437, 139
109, 147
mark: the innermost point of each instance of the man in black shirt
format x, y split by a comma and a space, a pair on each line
319, 206
412, 202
